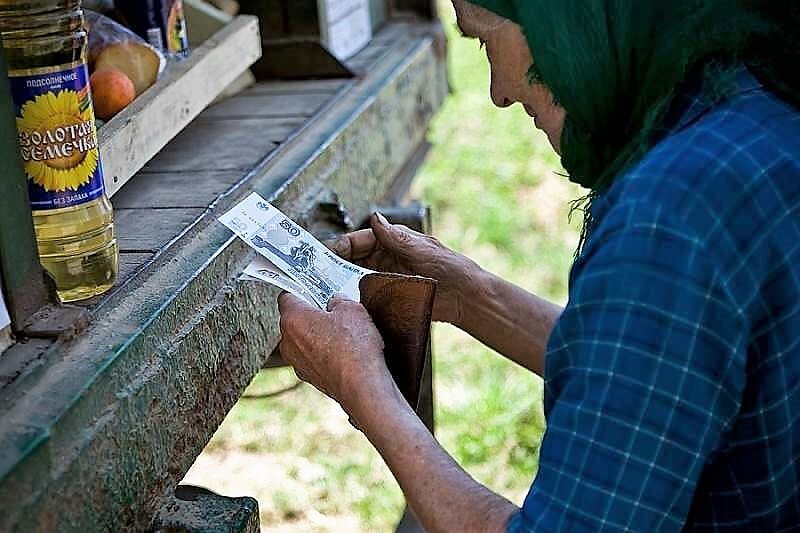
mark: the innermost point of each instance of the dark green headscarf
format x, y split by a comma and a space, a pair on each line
614, 65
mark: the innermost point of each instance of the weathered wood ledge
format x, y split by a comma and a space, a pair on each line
96, 430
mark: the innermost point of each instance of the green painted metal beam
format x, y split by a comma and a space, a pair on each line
23, 276
108, 423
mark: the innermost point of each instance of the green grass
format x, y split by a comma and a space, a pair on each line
492, 184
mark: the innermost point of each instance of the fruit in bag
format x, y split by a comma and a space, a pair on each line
112, 45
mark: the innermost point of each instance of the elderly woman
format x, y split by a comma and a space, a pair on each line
672, 377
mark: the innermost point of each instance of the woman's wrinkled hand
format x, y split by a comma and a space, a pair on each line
339, 351
395, 248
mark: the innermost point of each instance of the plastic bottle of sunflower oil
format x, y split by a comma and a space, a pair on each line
44, 43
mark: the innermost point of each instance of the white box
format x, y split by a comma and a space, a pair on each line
332, 11
345, 26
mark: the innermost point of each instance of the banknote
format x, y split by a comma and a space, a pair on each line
262, 269
293, 250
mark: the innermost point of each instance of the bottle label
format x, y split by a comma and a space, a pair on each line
57, 136
177, 37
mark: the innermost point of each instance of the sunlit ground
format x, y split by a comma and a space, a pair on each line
495, 196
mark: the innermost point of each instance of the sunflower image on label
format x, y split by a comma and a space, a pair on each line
57, 136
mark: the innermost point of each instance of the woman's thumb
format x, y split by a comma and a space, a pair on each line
389, 236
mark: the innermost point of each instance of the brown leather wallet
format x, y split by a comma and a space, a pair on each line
401, 308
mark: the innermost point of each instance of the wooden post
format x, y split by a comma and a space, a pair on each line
25, 288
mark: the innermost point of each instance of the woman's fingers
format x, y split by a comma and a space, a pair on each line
295, 314
290, 305
365, 246
337, 301
356, 246
393, 237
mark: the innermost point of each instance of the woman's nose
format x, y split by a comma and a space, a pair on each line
501, 101
500, 96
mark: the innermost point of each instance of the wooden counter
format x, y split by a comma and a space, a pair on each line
96, 430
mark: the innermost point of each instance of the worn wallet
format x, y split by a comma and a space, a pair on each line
401, 307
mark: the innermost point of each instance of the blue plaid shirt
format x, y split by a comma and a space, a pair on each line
673, 377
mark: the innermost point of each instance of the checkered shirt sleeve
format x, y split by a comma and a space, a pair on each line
645, 371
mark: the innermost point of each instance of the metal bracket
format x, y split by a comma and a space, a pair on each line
56, 322
330, 211
198, 510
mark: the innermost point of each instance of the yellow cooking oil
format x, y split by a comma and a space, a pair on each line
44, 43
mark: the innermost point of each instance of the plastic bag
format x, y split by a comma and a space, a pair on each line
113, 45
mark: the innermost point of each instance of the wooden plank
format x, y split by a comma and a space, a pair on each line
175, 189
220, 145
204, 20
134, 136
245, 80
391, 34
300, 87
129, 263
381, 43
22, 358
251, 105
367, 58
149, 230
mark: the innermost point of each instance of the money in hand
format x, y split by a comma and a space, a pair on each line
262, 269
309, 270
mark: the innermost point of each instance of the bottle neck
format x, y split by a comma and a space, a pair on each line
34, 7
20, 23
42, 33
